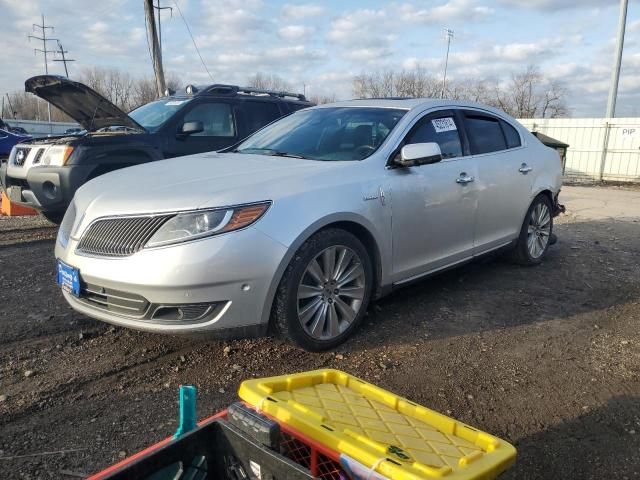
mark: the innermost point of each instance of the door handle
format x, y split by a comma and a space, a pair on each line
464, 179
524, 168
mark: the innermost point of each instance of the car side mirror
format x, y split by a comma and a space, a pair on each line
189, 128
419, 154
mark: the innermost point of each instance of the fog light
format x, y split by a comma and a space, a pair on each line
49, 190
183, 312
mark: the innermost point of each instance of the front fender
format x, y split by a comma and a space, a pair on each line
307, 233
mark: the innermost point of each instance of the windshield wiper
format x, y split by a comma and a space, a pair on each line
271, 152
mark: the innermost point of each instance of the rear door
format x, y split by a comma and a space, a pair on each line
504, 178
220, 129
255, 114
434, 206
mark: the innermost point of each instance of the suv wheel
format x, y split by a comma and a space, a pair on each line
535, 234
53, 217
325, 291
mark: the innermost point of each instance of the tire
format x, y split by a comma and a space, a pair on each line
535, 234
314, 309
53, 217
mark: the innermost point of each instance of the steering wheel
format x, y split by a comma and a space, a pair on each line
362, 151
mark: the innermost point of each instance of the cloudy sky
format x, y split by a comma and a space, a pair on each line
325, 43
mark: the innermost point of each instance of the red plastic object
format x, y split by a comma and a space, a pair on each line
12, 210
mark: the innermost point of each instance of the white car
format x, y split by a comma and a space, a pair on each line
307, 220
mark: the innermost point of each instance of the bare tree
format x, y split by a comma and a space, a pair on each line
144, 89
112, 83
320, 99
26, 106
268, 81
383, 84
526, 94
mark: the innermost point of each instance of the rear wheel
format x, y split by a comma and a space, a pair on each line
535, 234
53, 217
325, 291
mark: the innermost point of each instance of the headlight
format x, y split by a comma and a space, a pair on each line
193, 225
57, 155
64, 232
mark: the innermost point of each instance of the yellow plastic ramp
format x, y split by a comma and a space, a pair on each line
384, 432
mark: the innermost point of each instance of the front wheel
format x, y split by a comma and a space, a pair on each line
325, 291
53, 217
535, 234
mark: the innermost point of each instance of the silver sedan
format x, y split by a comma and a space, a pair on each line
304, 223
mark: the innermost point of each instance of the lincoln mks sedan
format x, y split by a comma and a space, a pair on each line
301, 225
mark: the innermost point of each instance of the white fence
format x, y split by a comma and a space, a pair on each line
600, 149
41, 129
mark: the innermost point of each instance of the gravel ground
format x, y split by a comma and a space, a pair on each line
547, 357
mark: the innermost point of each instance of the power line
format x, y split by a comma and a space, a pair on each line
192, 39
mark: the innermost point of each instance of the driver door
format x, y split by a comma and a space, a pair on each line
219, 129
433, 206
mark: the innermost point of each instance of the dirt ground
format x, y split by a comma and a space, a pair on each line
547, 357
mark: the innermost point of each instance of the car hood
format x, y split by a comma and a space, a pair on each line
198, 181
83, 104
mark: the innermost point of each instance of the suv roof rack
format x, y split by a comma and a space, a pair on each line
222, 89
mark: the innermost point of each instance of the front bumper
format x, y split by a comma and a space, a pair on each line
45, 188
233, 272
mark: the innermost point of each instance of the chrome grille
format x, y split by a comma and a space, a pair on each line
38, 156
120, 237
21, 156
115, 301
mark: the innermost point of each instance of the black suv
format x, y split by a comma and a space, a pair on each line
44, 173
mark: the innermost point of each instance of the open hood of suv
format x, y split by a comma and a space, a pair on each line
83, 104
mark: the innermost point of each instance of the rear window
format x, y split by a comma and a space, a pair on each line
259, 114
485, 134
511, 134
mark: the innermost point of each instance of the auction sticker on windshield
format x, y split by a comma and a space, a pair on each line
443, 124
69, 278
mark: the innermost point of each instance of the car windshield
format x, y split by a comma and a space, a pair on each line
329, 133
152, 115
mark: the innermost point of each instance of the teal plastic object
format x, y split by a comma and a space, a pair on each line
188, 417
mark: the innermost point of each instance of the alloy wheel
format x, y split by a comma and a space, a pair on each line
331, 292
539, 230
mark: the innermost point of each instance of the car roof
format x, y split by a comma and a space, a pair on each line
412, 103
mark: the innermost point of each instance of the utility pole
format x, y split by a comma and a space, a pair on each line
43, 28
64, 60
159, 8
449, 34
155, 48
615, 74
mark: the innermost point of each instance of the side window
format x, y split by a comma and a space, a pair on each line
216, 118
259, 114
440, 129
485, 134
511, 134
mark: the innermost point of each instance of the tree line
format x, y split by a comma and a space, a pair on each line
524, 94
